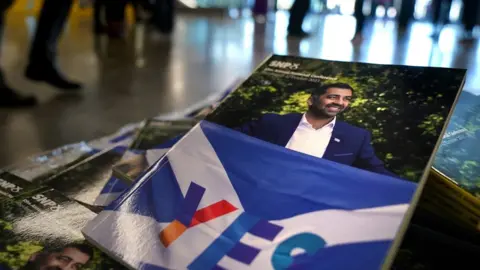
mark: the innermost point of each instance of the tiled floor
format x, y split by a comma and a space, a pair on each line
146, 75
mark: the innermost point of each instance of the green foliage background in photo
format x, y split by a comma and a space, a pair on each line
404, 108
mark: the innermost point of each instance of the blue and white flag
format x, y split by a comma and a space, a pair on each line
220, 199
123, 137
115, 186
112, 189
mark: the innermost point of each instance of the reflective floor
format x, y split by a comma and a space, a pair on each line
126, 81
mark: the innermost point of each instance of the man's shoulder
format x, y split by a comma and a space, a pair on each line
349, 128
4, 267
275, 116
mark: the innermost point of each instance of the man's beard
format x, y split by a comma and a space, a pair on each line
322, 113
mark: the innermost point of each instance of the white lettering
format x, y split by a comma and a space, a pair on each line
46, 202
284, 65
323, 77
9, 186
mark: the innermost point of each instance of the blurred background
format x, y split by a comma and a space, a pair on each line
139, 59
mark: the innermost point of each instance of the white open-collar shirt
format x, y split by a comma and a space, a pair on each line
311, 141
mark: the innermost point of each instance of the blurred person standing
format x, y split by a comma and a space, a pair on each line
42, 66
99, 11
440, 16
469, 19
260, 8
405, 14
163, 16
8, 96
298, 11
360, 21
42, 63
115, 17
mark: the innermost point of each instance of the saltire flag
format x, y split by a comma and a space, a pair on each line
123, 137
112, 189
115, 186
220, 199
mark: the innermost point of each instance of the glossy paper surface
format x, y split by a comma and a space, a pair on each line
40, 167
85, 181
459, 155
149, 144
12, 186
46, 224
390, 119
251, 210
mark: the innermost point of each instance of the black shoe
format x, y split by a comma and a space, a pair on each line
51, 76
10, 99
300, 34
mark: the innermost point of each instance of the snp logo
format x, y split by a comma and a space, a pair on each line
284, 65
9, 186
229, 243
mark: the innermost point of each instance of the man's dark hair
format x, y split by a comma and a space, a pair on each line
84, 248
316, 92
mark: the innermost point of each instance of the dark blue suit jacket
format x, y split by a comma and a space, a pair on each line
349, 145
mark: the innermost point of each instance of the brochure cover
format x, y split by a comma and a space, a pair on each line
149, 145
430, 250
84, 181
40, 167
112, 189
12, 186
400, 110
122, 137
435, 242
458, 156
209, 190
156, 132
42, 231
367, 130
139, 157
449, 200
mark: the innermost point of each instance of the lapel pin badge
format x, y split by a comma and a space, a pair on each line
336, 139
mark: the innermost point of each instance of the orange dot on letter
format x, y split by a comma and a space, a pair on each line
172, 232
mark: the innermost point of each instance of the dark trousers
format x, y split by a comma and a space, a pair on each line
3, 9
359, 16
437, 7
405, 14
260, 7
470, 14
115, 10
50, 25
297, 15
163, 15
98, 14
2, 23
1, 37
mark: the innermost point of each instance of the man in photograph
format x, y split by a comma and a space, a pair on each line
317, 132
69, 257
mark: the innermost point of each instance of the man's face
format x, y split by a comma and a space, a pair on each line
331, 103
68, 259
